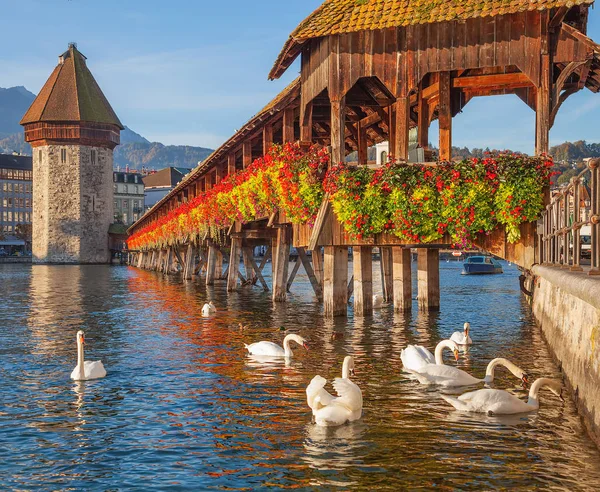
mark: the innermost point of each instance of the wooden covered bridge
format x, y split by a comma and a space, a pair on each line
371, 71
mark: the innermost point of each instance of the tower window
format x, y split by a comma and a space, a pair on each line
40, 156
93, 157
63, 156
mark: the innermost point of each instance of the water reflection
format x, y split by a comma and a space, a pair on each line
184, 406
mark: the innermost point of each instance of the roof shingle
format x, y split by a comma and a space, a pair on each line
345, 16
71, 94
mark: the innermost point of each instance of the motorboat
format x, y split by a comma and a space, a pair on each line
481, 265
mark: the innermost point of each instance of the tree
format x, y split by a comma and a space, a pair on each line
565, 177
24, 232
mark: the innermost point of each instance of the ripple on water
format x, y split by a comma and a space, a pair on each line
184, 407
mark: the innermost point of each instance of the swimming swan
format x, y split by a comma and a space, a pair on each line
86, 370
208, 309
452, 376
462, 338
274, 350
330, 411
415, 357
500, 402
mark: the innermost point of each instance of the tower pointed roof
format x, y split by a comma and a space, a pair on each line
71, 94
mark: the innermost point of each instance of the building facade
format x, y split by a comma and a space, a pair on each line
158, 185
15, 202
73, 131
128, 197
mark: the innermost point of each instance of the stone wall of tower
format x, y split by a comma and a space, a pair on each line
72, 204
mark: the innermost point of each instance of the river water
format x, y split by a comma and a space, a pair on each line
183, 407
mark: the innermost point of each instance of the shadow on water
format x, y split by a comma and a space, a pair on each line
184, 407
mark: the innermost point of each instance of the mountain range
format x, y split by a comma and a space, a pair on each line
134, 152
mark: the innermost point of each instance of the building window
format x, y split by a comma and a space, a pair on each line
63, 156
384, 157
126, 189
40, 156
93, 157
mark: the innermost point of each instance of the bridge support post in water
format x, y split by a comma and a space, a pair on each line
281, 264
247, 254
219, 265
429, 278
189, 262
211, 265
317, 263
402, 279
387, 278
234, 264
363, 279
335, 281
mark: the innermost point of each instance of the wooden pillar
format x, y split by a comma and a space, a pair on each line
234, 264
247, 153
288, 125
542, 112
402, 279
429, 278
267, 138
423, 124
335, 281
363, 279
159, 261
249, 269
363, 146
211, 265
317, 261
306, 122
281, 260
188, 267
231, 163
338, 130
219, 265
445, 116
387, 277
401, 128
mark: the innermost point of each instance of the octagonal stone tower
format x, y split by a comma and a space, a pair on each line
73, 131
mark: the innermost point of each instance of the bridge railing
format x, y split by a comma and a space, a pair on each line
562, 222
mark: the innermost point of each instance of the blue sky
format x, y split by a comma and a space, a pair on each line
192, 72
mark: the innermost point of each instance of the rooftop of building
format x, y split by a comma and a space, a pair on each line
11, 161
71, 94
168, 177
127, 177
347, 16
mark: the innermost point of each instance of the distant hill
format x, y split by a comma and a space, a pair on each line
13, 104
135, 151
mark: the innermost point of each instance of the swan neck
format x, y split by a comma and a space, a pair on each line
439, 349
491, 369
534, 390
346, 368
80, 358
286, 345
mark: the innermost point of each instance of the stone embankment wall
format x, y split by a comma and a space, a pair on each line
72, 204
567, 307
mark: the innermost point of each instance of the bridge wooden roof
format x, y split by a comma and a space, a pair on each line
71, 94
346, 16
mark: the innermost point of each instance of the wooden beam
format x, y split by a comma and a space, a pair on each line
211, 266
314, 281
495, 81
445, 117
387, 278
267, 138
338, 130
363, 279
423, 123
281, 264
231, 163
247, 153
401, 127
543, 110
335, 288
288, 125
293, 274
306, 125
429, 278
257, 270
402, 271
363, 146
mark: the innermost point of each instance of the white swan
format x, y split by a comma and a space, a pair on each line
85, 370
377, 301
274, 350
415, 357
462, 338
208, 309
452, 376
330, 411
500, 402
